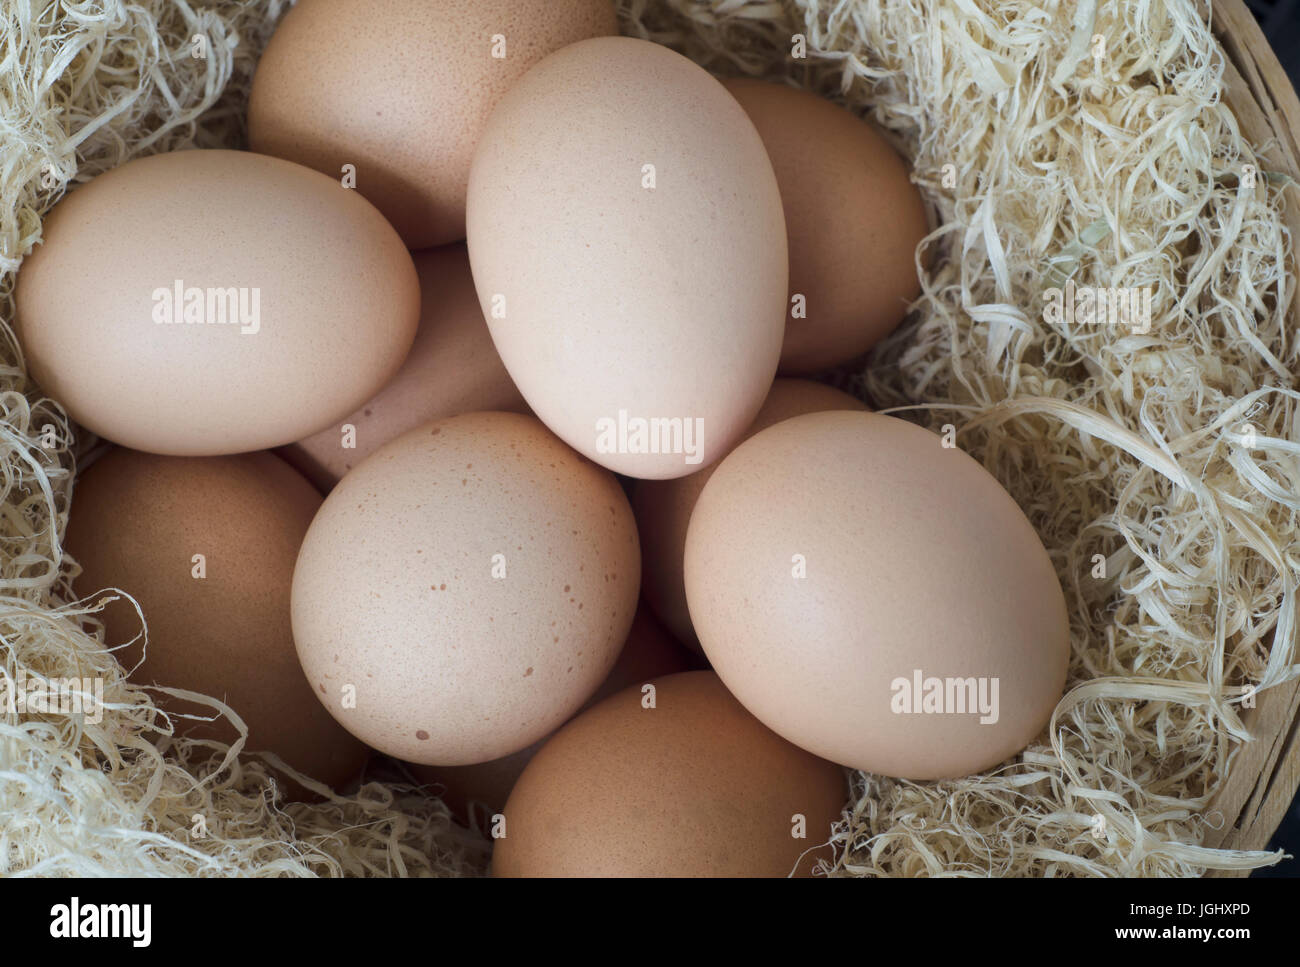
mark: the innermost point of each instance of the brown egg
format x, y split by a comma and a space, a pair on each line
876, 597
138, 522
648, 653
629, 251
694, 786
465, 589
854, 220
401, 89
452, 368
243, 303
663, 507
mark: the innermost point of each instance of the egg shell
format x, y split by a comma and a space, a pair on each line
695, 786
854, 221
663, 507
914, 560
136, 523
648, 653
473, 582
337, 302
613, 302
400, 89
452, 368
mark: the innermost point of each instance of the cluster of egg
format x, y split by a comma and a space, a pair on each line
648, 249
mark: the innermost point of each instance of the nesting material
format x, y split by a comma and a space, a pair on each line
1154, 455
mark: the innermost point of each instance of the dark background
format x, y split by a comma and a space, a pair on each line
1281, 23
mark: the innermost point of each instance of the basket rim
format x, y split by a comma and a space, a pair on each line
1266, 772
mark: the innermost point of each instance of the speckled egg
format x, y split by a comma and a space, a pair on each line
465, 589
663, 507
207, 547
452, 368
400, 89
671, 778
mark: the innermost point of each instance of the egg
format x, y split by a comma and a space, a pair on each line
876, 597
400, 89
207, 547
854, 221
671, 778
663, 507
452, 368
649, 652
629, 251
465, 589
203, 303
